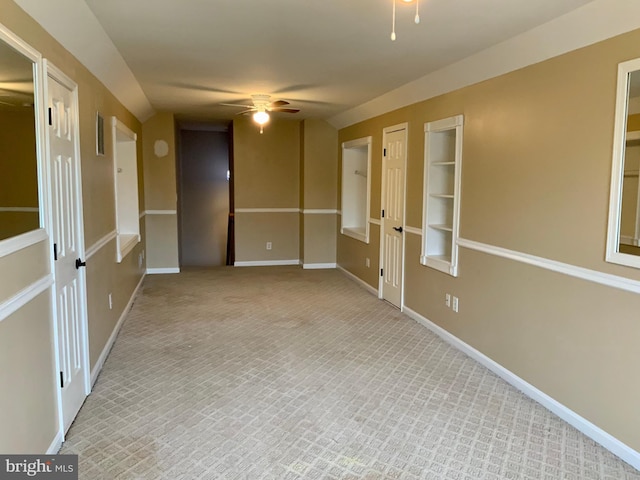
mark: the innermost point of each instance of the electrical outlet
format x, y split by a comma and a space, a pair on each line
367, 262
140, 260
110, 302
455, 304
269, 245
447, 300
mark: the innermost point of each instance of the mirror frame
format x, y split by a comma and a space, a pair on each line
13, 244
613, 254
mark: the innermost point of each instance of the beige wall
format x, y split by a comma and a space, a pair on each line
159, 172
320, 154
27, 403
267, 175
352, 254
160, 192
27, 266
119, 283
162, 241
28, 409
292, 165
536, 171
319, 173
319, 238
266, 167
254, 230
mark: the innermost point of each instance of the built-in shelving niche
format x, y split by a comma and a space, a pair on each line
125, 175
356, 188
441, 206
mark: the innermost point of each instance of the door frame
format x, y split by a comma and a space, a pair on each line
55, 73
385, 132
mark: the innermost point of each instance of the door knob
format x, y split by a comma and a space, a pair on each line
80, 263
398, 229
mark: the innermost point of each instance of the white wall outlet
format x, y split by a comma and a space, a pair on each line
367, 262
447, 300
110, 302
140, 260
455, 304
269, 245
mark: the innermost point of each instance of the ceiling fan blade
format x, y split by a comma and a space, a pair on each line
285, 110
244, 112
279, 103
236, 105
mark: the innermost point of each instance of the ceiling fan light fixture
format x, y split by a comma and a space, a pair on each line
261, 117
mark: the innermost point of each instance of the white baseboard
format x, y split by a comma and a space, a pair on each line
266, 263
107, 348
158, 271
317, 266
615, 446
55, 445
362, 283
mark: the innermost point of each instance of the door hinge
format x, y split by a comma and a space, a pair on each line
55, 251
382, 272
61, 380
384, 150
50, 116
382, 213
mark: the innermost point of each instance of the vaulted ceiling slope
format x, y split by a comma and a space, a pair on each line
330, 58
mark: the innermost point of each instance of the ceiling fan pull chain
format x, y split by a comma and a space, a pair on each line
393, 22
417, 19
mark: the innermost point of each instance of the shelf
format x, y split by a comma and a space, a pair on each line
439, 262
441, 195
440, 258
444, 228
359, 233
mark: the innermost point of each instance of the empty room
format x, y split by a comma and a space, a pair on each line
375, 239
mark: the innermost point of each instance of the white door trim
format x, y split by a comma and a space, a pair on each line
385, 131
52, 71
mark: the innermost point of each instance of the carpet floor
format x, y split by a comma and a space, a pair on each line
282, 373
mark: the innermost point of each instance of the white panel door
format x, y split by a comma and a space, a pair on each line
393, 196
67, 232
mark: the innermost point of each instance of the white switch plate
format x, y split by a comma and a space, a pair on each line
447, 300
367, 262
269, 245
110, 302
455, 304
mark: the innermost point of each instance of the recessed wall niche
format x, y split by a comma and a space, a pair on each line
356, 188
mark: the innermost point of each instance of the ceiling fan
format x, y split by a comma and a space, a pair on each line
261, 107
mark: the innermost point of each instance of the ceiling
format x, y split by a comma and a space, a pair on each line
333, 59
324, 56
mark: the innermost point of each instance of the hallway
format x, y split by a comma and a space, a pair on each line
284, 373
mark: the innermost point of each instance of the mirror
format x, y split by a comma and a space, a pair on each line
623, 235
19, 204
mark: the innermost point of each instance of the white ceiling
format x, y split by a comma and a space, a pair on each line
331, 58
325, 56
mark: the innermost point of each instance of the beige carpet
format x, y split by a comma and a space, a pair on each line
279, 373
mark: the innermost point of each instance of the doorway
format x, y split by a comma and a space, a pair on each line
68, 245
394, 160
203, 191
